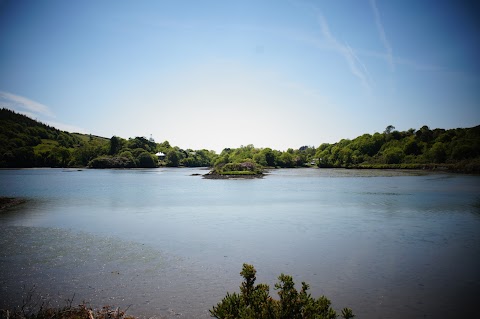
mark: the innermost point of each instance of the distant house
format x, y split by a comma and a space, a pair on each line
160, 155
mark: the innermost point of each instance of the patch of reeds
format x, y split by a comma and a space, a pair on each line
81, 311
34, 309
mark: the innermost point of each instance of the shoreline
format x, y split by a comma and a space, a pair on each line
444, 168
230, 176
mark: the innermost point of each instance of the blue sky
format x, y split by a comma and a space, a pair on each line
215, 74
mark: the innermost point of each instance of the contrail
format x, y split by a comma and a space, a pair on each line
382, 34
346, 51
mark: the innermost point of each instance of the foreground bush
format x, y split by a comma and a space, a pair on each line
254, 302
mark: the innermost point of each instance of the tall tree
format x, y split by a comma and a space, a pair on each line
114, 145
389, 129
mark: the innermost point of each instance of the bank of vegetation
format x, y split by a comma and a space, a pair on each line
82, 311
25, 142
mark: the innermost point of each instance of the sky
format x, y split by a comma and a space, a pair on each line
216, 74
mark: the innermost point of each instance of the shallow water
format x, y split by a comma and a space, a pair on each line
388, 244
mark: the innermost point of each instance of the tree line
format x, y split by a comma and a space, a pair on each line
455, 149
25, 142
458, 149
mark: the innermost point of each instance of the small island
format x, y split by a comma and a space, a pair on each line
243, 170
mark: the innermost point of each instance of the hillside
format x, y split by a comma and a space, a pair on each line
25, 142
454, 149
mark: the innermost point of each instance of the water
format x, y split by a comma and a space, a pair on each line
388, 244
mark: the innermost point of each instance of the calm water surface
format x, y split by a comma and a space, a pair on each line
387, 244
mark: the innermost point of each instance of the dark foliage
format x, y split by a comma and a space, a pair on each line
21, 137
254, 301
456, 149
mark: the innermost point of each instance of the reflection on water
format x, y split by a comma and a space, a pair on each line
389, 244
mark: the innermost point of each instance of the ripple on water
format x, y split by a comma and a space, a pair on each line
100, 270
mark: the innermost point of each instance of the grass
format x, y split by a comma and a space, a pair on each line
86, 137
32, 308
68, 312
45, 146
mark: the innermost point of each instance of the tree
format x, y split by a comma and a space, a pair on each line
172, 158
393, 155
437, 153
127, 154
259, 158
146, 160
286, 160
424, 134
114, 145
388, 129
411, 147
164, 147
269, 156
141, 142
65, 156
23, 157
463, 151
88, 151
324, 157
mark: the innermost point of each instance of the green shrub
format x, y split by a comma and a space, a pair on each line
243, 168
254, 302
146, 160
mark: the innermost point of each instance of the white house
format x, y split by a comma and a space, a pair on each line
160, 155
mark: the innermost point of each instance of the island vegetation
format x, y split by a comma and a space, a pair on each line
25, 142
243, 169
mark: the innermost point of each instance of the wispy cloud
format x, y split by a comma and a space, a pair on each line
419, 66
24, 105
357, 68
34, 110
383, 36
365, 72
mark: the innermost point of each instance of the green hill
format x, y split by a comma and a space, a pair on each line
28, 143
